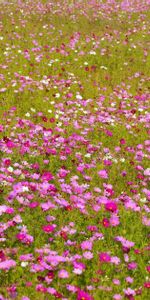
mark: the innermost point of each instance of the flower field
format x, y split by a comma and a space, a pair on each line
74, 149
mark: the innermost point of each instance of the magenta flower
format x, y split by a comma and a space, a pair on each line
147, 285
148, 268
48, 228
111, 206
132, 265
104, 257
82, 295
24, 238
105, 222
47, 176
122, 141
2, 256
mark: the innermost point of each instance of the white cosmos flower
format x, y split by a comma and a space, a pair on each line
79, 97
25, 189
57, 95
122, 159
24, 264
88, 155
92, 52
10, 169
27, 114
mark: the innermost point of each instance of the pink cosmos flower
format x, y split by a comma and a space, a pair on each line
51, 290
63, 274
88, 255
145, 221
114, 220
117, 297
132, 265
86, 245
129, 292
71, 288
7, 264
115, 260
41, 288
107, 162
129, 279
26, 257
103, 174
116, 281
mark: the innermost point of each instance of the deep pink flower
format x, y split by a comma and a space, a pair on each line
147, 284
24, 238
48, 228
2, 256
82, 295
47, 176
10, 144
58, 295
105, 222
122, 141
111, 206
7, 162
109, 133
107, 162
148, 269
92, 228
33, 204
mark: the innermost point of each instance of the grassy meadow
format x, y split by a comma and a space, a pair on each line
74, 150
